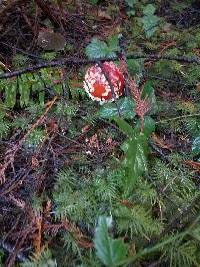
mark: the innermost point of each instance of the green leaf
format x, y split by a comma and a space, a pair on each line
124, 126
149, 10
10, 94
41, 97
196, 145
96, 49
24, 90
149, 20
149, 25
99, 49
94, 2
148, 92
123, 107
131, 3
131, 13
149, 126
136, 163
110, 251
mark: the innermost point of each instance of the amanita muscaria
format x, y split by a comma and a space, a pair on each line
98, 86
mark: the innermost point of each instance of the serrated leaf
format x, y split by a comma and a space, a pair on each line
96, 49
131, 3
110, 251
196, 145
149, 20
150, 25
123, 107
99, 49
149, 10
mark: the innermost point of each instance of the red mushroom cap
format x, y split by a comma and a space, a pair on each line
97, 86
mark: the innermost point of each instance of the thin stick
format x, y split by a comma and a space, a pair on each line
72, 61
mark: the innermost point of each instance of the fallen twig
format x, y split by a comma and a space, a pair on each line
73, 61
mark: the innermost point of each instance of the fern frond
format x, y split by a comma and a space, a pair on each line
21, 123
45, 260
4, 128
20, 60
179, 255
104, 189
137, 221
70, 244
145, 193
70, 200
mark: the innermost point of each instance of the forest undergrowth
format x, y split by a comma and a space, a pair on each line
99, 183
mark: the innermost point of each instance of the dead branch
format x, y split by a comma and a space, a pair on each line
72, 61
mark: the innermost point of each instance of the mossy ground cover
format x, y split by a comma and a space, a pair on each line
84, 184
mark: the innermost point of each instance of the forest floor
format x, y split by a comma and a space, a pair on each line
65, 161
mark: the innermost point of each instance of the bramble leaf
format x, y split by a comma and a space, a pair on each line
149, 10
149, 20
96, 49
110, 251
123, 107
131, 3
99, 49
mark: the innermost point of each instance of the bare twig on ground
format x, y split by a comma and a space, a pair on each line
72, 61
